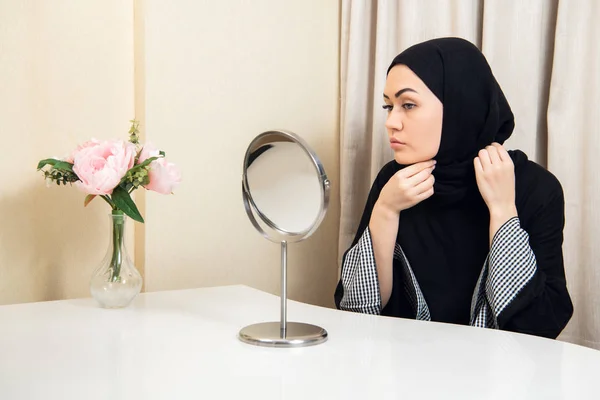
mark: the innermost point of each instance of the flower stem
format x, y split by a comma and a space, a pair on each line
118, 228
109, 201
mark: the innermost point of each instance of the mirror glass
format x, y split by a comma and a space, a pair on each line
285, 186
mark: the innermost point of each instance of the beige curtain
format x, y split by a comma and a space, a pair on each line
573, 145
545, 55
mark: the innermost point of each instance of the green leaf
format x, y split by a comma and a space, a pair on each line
88, 199
56, 164
145, 163
123, 201
47, 161
162, 153
64, 166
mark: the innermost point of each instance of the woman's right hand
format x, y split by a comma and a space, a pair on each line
408, 187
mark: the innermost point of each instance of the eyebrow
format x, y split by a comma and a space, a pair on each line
399, 92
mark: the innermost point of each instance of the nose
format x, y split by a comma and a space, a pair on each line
394, 121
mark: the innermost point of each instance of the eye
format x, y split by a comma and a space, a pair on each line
408, 106
387, 107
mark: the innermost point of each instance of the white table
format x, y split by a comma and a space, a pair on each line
183, 345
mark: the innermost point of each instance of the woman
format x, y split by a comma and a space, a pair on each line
456, 229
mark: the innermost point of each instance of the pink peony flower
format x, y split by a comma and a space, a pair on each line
100, 166
148, 151
164, 176
71, 157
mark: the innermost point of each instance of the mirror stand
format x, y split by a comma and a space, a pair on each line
285, 193
283, 333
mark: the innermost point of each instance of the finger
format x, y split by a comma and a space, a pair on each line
420, 177
425, 195
416, 168
425, 185
493, 153
484, 158
504, 156
478, 166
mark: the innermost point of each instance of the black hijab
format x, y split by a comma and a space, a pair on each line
476, 112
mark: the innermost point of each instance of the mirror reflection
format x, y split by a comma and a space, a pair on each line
284, 186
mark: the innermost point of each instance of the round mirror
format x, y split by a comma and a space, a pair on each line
285, 188
286, 194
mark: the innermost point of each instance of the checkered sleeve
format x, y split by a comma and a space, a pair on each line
510, 266
359, 278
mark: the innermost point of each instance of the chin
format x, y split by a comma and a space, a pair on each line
408, 159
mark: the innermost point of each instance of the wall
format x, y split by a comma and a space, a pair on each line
67, 76
204, 77
216, 75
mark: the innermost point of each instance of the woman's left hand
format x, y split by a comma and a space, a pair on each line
495, 173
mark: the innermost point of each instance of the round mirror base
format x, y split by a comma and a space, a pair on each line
269, 334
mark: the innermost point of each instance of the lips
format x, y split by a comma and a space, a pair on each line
395, 141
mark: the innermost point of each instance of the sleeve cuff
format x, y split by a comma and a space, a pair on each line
359, 278
512, 265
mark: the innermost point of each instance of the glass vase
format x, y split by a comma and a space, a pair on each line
116, 281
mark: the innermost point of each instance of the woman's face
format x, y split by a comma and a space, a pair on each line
414, 120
